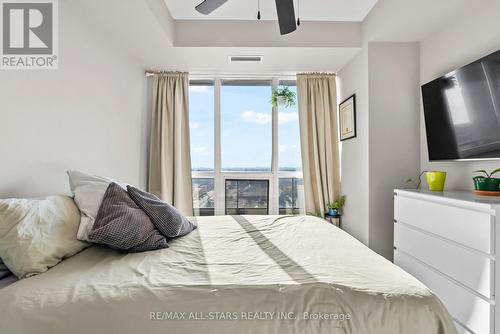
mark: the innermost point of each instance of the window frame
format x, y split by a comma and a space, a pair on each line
197, 211
221, 176
294, 206
237, 196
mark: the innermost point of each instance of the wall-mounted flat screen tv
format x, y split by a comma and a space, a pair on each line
462, 112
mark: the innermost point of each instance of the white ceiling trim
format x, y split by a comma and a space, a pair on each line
196, 33
310, 10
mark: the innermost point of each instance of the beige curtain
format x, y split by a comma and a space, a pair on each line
169, 157
317, 100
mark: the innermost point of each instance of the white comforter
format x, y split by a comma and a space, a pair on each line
247, 274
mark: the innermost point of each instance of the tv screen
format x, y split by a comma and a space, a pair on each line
462, 112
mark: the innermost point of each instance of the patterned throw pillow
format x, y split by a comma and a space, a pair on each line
164, 216
121, 224
4, 271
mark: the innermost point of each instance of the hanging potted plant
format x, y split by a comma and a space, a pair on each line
283, 97
487, 182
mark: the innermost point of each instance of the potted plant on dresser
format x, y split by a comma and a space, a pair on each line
486, 184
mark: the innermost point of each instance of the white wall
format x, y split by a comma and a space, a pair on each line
460, 41
385, 79
393, 77
452, 33
243, 33
90, 114
410, 20
353, 79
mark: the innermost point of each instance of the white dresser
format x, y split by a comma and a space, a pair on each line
448, 241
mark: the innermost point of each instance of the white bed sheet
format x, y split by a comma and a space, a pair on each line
267, 269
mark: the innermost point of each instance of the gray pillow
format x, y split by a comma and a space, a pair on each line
4, 271
164, 216
121, 224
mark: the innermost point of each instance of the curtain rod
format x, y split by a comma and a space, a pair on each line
238, 75
315, 72
202, 75
242, 75
150, 73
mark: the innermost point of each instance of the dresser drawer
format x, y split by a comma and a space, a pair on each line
468, 227
470, 268
471, 310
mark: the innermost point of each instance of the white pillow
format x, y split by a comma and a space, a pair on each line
37, 234
88, 191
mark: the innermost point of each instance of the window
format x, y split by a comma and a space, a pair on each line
203, 197
247, 197
289, 135
201, 125
245, 154
291, 200
246, 116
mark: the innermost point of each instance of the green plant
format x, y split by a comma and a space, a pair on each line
315, 214
488, 182
283, 95
415, 182
486, 173
338, 204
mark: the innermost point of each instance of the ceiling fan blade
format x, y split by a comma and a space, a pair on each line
286, 16
208, 6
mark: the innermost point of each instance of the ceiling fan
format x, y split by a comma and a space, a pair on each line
284, 8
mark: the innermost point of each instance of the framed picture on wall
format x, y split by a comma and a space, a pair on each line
347, 118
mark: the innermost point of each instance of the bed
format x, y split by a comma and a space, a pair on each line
234, 274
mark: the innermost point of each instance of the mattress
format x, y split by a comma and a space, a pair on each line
234, 274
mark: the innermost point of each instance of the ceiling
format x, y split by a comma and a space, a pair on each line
148, 41
310, 10
145, 40
275, 60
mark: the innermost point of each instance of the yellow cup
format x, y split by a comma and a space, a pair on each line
436, 180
